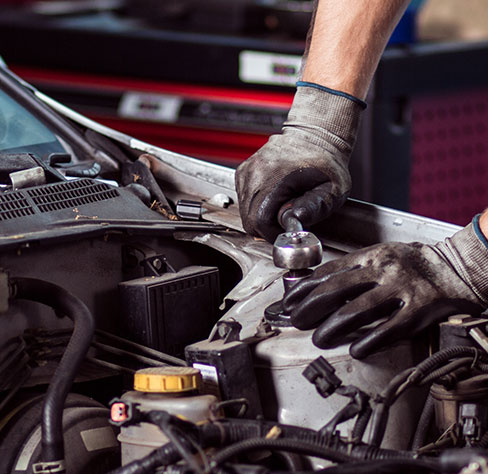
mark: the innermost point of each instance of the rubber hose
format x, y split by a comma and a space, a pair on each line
450, 380
446, 369
395, 466
361, 423
381, 411
65, 303
380, 414
280, 444
294, 462
163, 456
426, 366
424, 423
233, 432
227, 432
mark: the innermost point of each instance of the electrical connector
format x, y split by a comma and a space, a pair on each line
322, 375
124, 413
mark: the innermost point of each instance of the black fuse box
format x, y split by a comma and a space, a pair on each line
228, 372
173, 310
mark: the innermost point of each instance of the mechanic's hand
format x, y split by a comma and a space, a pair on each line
411, 285
307, 162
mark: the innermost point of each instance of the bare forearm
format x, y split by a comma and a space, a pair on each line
348, 39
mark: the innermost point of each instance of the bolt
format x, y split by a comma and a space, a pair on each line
157, 263
296, 238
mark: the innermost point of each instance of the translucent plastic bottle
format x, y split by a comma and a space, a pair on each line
172, 389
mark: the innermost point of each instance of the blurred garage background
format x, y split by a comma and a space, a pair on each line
214, 78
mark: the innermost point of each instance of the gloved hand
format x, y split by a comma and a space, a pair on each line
307, 162
411, 285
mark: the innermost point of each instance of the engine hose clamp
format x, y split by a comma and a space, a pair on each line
49, 467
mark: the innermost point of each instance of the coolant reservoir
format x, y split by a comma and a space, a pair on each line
172, 389
289, 398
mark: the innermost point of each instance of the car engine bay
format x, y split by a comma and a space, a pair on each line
135, 339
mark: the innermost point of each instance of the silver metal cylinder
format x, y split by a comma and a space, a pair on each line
297, 250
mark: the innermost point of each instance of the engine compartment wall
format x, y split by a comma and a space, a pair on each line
92, 269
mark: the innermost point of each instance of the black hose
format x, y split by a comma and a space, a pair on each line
245, 435
163, 456
294, 462
227, 432
380, 415
451, 380
434, 361
482, 367
280, 444
424, 423
361, 423
64, 303
446, 369
395, 466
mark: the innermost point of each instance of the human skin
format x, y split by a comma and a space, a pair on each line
347, 42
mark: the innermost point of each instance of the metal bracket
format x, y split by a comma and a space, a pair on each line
228, 331
153, 264
480, 337
156, 266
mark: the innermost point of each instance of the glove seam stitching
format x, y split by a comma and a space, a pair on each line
338, 93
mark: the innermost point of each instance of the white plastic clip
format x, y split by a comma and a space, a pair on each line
49, 467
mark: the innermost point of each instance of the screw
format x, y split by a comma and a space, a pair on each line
157, 263
296, 238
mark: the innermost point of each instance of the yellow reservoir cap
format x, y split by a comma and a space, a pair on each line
167, 379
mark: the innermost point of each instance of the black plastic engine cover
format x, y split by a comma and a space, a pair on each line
50, 207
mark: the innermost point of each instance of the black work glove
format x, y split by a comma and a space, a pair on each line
411, 285
307, 162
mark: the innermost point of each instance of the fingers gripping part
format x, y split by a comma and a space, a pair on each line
311, 155
387, 333
318, 203
299, 292
266, 203
373, 305
412, 285
329, 296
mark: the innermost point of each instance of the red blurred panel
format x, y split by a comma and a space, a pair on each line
449, 178
242, 96
214, 144
226, 147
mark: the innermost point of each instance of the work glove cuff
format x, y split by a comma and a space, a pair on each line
328, 117
467, 250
